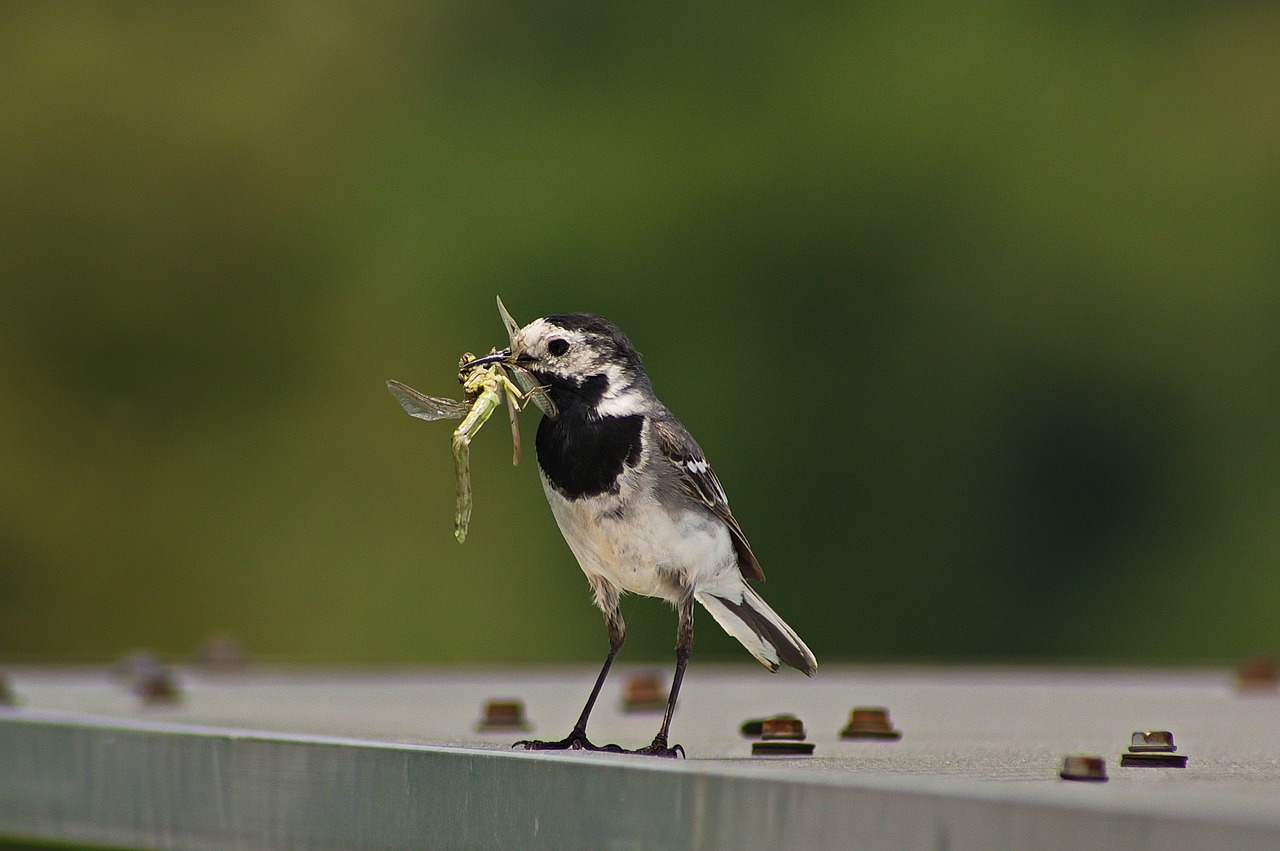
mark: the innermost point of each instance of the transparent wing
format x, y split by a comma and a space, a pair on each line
513, 413
527, 383
424, 407
530, 387
513, 330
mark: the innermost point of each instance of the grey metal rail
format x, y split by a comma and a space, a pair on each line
976, 767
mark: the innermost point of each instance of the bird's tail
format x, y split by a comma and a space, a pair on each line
748, 618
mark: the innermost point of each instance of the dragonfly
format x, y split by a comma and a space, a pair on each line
486, 383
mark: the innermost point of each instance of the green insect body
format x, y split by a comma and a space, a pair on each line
484, 387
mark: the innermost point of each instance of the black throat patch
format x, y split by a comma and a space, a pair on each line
581, 456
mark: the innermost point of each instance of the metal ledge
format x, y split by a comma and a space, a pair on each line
150, 783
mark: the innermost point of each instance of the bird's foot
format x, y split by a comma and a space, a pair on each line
577, 740
659, 748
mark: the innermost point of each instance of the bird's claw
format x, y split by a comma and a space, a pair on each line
658, 748
579, 742
573, 741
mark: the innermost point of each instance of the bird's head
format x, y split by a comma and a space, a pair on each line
583, 360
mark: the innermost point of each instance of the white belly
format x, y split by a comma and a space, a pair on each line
648, 551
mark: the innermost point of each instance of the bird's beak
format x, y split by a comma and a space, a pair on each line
503, 356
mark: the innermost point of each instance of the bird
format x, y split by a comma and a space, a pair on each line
639, 506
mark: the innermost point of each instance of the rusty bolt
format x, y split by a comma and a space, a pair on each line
157, 687
644, 694
791, 729
782, 735
753, 728
870, 722
507, 714
1152, 749
1090, 768
147, 676
1259, 675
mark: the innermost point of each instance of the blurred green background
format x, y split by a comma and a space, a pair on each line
974, 307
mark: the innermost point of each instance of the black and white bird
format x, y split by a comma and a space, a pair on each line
638, 504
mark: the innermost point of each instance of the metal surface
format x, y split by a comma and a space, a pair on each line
288, 760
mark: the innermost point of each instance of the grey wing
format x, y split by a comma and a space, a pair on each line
426, 407
700, 482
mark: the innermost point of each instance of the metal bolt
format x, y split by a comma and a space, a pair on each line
505, 714
1152, 741
644, 694
753, 728
1088, 768
870, 722
1259, 675
783, 735
157, 687
782, 728
1152, 749
147, 676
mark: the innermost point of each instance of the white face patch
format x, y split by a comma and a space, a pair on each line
536, 340
620, 399
584, 356
536, 337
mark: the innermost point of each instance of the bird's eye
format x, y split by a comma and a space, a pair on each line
557, 345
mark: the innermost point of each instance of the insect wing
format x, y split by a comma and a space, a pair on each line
513, 413
530, 387
526, 382
513, 330
424, 407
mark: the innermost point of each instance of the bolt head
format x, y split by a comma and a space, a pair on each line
752, 728
1152, 741
1084, 767
158, 688
782, 728
1259, 675
504, 714
644, 693
870, 722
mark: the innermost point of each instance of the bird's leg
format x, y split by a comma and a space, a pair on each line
577, 739
684, 647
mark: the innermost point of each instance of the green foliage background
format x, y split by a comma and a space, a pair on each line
973, 307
